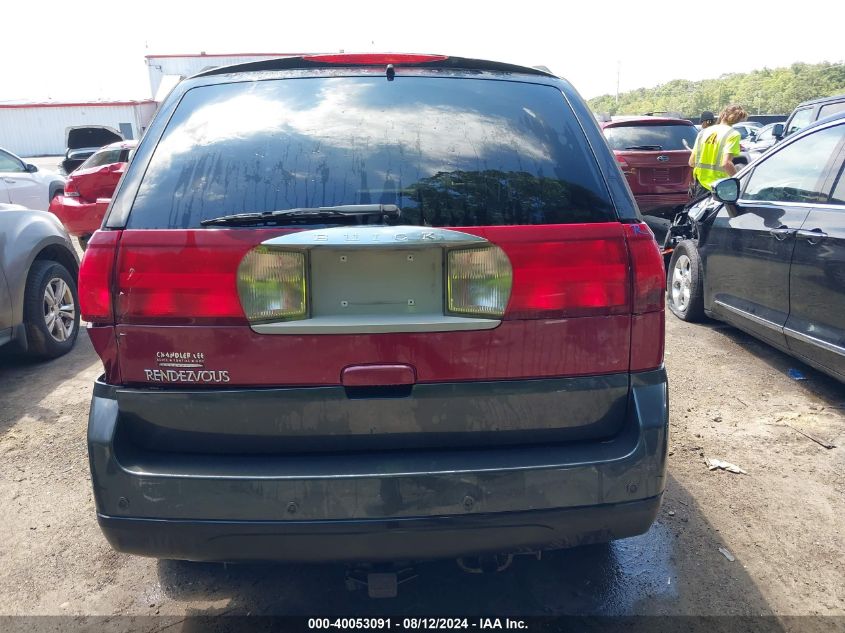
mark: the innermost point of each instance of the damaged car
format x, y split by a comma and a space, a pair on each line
87, 191
766, 251
83, 140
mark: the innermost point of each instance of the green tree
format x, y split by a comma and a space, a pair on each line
765, 91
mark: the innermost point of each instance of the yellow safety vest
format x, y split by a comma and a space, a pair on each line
711, 144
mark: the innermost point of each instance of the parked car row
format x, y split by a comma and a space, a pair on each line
757, 141
372, 289
39, 313
653, 152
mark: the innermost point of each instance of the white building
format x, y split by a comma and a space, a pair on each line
38, 129
168, 70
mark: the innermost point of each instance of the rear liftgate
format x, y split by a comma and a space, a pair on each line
375, 280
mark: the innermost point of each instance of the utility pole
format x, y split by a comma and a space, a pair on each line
618, 72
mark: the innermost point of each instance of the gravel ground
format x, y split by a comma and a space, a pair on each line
730, 399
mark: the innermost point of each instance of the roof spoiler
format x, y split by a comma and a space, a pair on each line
303, 62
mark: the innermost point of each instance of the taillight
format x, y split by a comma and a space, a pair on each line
623, 165
649, 275
95, 278
649, 284
271, 285
180, 277
478, 281
70, 188
565, 270
374, 59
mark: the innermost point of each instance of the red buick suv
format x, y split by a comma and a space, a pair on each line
372, 308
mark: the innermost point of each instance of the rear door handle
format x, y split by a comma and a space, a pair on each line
782, 232
813, 236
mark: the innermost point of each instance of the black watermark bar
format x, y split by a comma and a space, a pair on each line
563, 624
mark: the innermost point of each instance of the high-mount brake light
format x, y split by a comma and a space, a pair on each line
272, 285
374, 59
478, 281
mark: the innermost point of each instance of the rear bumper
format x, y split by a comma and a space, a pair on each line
381, 504
78, 217
379, 540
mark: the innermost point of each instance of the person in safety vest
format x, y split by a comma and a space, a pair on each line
714, 150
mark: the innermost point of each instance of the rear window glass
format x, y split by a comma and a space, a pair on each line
650, 137
104, 157
448, 152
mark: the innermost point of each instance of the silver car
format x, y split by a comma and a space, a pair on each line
39, 312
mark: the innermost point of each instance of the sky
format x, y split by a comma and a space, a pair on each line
91, 49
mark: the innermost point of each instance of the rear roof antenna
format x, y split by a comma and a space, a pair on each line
391, 72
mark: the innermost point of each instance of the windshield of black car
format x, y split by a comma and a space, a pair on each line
447, 151
666, 137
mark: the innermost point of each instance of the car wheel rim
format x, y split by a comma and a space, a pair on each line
681, 283
59, 310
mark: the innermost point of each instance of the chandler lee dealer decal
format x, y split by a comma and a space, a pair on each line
185, 367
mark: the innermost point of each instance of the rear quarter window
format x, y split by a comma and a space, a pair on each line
831, 109
448, 151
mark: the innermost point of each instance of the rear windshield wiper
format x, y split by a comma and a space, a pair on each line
305, 213
646, 147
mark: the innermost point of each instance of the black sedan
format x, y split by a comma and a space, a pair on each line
766, 253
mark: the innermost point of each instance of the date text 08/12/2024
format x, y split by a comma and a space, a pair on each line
417, 623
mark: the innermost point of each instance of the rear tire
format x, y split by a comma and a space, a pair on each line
51, 310
685, 283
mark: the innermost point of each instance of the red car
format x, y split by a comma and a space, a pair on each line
653, 153
88, 189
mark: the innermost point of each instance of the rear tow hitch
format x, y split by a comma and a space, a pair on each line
489, 563
380, 583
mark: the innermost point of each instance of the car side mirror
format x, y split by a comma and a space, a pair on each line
726, 190
777, 131
31, 169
